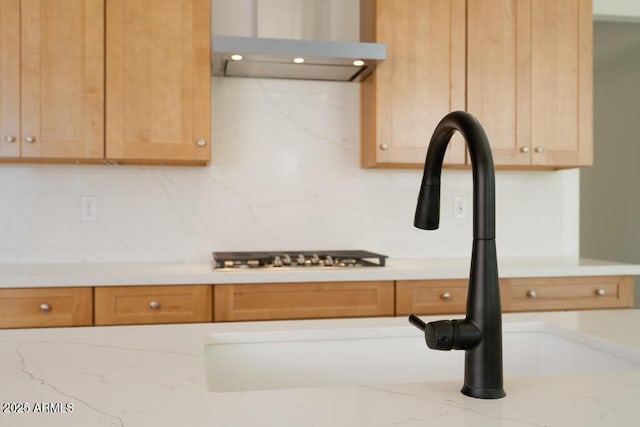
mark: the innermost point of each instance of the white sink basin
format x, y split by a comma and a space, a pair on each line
394, 355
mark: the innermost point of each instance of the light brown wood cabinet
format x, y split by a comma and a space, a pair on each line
145, 99
437, 296
46, 307
518, 294
422, 79
522, 67
158, 81
530, 78
431, 296
137, 305
129, 305
51, 80
303, 300
569, 293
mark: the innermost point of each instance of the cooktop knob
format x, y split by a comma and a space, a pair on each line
300, 259
277, 261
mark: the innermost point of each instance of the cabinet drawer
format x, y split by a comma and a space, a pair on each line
128, 305
303, 300
45, 307
571, 293
436, 296
431, 296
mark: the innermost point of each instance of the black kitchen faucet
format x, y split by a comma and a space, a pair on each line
480, 332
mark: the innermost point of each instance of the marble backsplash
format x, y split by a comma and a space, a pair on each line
284, 174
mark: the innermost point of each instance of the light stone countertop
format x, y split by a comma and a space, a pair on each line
153, 376
114, 274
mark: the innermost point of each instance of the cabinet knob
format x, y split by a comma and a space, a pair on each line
10, 138
30, 139
384, 146
524, 149
532, 294
446, 296
154, 305
601, 292
539, 149
45, 308
201, 143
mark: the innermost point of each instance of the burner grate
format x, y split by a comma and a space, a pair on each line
302, 259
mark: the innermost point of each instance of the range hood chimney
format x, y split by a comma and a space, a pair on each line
236, 56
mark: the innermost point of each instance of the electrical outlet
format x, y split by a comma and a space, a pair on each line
88, 208
459, 207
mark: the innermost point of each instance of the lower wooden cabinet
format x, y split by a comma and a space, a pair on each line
431, 296
569, 293
129, 305
436, 296
136, 305
518, 294
303, 300
46, 307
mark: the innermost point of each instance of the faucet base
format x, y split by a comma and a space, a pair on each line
484, 393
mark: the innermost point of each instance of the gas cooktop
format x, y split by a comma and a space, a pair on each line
298, 259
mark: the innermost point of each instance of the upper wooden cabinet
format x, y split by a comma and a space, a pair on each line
51, 79
530, 79
422, 79
155, 95
528, 74
158, 80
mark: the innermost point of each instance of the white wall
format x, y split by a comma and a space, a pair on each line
285, 175
616, 9
610, 202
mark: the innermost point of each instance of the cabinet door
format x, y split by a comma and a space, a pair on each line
421, 81
529, 79
62, 69
9, 78
493, 77
158, 80
561, 92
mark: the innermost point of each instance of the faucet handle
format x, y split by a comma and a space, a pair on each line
448, 334
417, 322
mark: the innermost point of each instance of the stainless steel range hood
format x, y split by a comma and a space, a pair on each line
235, 56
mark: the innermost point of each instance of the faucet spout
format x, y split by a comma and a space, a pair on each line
480, 333
427, 214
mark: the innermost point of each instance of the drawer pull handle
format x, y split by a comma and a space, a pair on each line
154, 305
532, 294
446, 296
45, 308
601, 292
